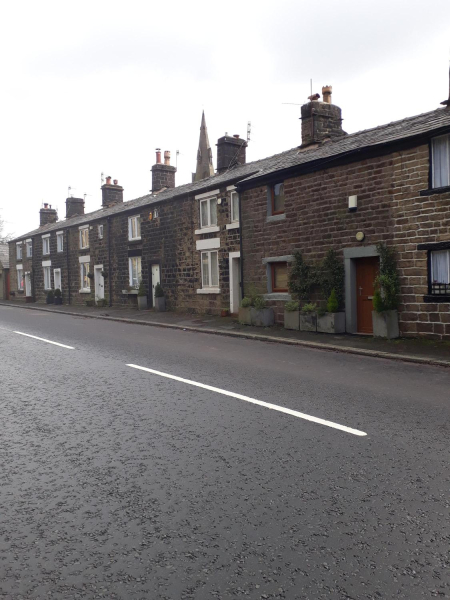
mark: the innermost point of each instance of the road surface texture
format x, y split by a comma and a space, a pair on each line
123, 483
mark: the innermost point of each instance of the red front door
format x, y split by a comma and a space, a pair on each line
366, 272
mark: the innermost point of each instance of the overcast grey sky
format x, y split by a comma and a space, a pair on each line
97, 85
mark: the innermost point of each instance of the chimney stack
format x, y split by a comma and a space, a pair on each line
230, 152
74, 207
112, 193
47, 215
321, 120
163, 175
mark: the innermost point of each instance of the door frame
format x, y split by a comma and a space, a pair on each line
350, 256
28, 278
156, 261
231, 256
98, 268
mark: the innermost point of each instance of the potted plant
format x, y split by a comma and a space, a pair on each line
50, 297
292, 315
331, 321
261, 316
58, 296
308, 317
160, 301
245, 317
142, 296
386, 295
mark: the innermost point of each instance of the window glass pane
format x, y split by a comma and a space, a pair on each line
235, 206
205, 269
214, 269
280, 276
278, 198
204, 213
213, 211
138, 227
19, 279
440, 266
441, 161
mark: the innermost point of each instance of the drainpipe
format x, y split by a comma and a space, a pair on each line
68, 263
109, 261
240, 246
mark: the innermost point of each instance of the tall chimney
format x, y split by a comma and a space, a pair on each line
230, 152
112, 193
447, 102
321, 120
74, 207
163, 175
47, 215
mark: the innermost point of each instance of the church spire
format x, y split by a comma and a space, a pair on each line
204, 155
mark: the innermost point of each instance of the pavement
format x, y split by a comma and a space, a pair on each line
408, 349
154, 463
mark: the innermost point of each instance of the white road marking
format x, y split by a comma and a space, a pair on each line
282, 409
44, 340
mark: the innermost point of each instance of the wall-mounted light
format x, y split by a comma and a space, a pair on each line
352, 203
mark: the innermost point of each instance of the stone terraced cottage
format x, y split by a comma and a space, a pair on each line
208, 241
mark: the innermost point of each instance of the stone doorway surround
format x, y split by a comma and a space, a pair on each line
350, 254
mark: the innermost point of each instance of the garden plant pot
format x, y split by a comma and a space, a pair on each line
292, 319
50, 301
262, 318
331, 323
385, 324
142, 302
308, 322
58, 301
245, 317
160, 304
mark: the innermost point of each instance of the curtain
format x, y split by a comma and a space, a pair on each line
440, 266
441, 161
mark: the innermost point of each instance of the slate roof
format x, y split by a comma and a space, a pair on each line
4, 256
419, 125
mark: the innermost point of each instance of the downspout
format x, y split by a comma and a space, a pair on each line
109, 261
240, 246
68, 267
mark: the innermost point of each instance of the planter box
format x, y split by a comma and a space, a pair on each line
385, 324
160, 304
142, 302
245, 317
292, 319
331, 323
308, 322
262, 318
58, 300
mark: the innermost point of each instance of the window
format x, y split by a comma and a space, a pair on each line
100, 232
59, 242
277, 198
84, 237
85, 280
234, 207
57, 278
135, 271
46, 245
134, 228
440, 158
208, 212
210, 269
29, 247
47, 278
440, 272
20, 279
279, 277
19, 251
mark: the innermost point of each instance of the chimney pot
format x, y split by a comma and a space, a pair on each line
158, 156
326, 93
45, 205
108, 180
116, 181
166, 157
236, 135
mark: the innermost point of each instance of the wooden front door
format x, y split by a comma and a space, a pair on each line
366, 272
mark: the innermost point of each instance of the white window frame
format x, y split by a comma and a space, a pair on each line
434, 160
137, 220
55, 273
20, 282
208, 203
100, 232
138, 272
59, 241
84, 233
209, 287
47, 277
29, 248
234, 218
46, 245
19, 251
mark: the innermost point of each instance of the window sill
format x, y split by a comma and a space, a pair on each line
436, 298
85, 291
20, 291
84, 248
274, 218
233, 226
130, 292
212, 229
284, 296
432, 191
138, 239
208, 291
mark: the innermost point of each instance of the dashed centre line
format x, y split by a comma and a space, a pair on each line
282, 409
35, 337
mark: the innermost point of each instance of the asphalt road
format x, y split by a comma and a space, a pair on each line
121, 483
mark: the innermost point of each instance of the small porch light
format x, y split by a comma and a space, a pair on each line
352, 203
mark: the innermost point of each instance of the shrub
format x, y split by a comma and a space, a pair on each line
159, 292
259, 303
321, 311
291, 306
50, 295
332, 304
246, 302
142, 291
302, 278
309, 308
387, 284
58, 293
332, 278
